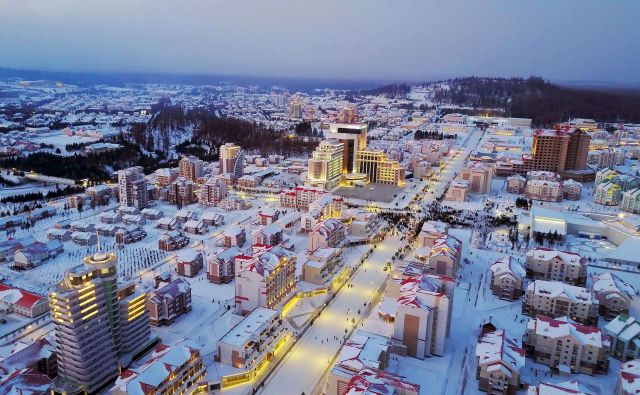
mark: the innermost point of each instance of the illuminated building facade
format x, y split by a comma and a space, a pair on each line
326, 165
379, 168
98, 326
232, 160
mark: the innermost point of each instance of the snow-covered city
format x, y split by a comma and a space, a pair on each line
226, 235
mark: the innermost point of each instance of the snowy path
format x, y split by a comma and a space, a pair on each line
317, 347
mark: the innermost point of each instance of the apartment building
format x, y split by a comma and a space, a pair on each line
478, 176
423, 314
458, 191
98, 325
549, 264
172, 241
173, 369
567, 347
369, 381
444, 256
322, 266
254, 340
430, 232
628, 378
181, 192
624, 332
325, 165
169, 302
607, 194
300, 197
516, 184
221, 264
500, 358
232, 160
165, 176
190, 168
363, 350
269, 235
327, 234
613, 294
548, 191
631, 201
189, 262
234, 236
267, 216
132, 187
557, 299
265, 279
563, 151
213, 191
507, 278
572, 387
571, 190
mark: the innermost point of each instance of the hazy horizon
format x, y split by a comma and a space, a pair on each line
571, 41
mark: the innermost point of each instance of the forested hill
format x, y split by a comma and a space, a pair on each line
544, 102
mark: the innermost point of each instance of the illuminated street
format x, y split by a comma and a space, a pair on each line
315, 350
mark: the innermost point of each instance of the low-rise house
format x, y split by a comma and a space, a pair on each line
110, 217
211, 218
185, 215
59, 234
234, 236
130, 234
624, 332
556, 299
196, 227
548, 264
172, 241
572, 387
629, 378
81, 226
613, 294
500, 358
16, 300
10, 246
189, 262
108, 230
151, 213
167, 223
136, 219
84, 238
254, 340
37, 253
269, 235
507, 278
221, 264
567, 347
168, 370
169, 302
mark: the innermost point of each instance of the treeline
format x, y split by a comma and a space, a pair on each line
251, 136
554, 104
93, 166
35, 196
433, 135
198, 148
545, 103
391, 91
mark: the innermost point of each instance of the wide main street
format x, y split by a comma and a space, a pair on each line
309, 359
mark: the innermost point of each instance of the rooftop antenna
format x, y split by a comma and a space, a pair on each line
98, 239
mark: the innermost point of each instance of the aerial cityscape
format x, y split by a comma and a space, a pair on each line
346, 198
